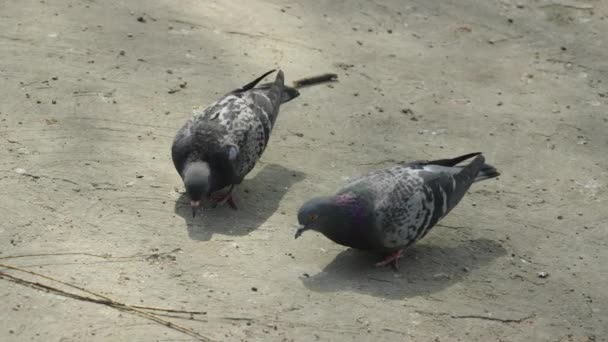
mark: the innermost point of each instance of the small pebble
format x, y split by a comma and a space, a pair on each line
542, 274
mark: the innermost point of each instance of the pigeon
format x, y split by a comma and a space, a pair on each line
391, 209
218, 146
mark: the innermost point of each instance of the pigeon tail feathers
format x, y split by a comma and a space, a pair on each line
289, 94
252, 84
469, 172
487, 171
453, 161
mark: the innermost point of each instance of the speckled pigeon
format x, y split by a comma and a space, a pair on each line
391, 209
218, 146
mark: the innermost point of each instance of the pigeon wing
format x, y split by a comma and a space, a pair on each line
409, 199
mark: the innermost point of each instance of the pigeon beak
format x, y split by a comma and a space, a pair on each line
195, 205
301, 229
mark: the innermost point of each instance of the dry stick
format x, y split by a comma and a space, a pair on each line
106, 301
93, 300
315, 80
55, 254
151, 308
191, 318
504, 320
103, 256
52, 289
109, 301
107, 256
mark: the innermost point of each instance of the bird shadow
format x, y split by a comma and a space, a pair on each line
424, 269
257, 199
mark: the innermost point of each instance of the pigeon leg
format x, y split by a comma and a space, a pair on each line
223, 199
231, 202
392, 259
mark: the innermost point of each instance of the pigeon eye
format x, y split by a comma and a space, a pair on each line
312, 217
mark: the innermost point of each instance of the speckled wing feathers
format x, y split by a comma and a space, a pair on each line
409, 199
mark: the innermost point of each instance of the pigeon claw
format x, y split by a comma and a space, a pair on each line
231, 202
392, 259
223, 199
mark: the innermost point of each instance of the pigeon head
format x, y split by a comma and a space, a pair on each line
326, 215
344, 219
196, 181
315, 215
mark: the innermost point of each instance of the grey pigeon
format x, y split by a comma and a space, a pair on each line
218, 146
391, 209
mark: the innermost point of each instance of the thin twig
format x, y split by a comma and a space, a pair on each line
49, 288
93, 300
103, 256
169, 310
238, 318
106, 300
308, 81
187, 318
503, 320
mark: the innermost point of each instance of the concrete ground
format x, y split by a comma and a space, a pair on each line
93, 92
